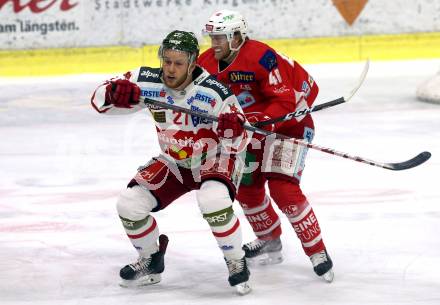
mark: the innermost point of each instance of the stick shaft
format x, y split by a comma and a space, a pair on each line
417, 160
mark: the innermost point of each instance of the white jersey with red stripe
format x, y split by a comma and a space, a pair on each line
185, 139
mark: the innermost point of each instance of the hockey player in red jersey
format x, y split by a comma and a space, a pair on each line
197, 154
269, 85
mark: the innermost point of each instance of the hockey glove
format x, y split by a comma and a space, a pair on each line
230, 125
254, 117
122, 93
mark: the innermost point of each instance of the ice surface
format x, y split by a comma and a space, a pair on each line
63, 165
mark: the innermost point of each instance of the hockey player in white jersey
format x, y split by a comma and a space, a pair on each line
197, 154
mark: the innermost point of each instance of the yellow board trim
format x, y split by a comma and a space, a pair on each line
116, 59
355, 48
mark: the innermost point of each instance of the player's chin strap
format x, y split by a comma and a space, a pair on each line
416, 161
235, 50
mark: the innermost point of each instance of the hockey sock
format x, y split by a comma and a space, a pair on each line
308, 231
263, 219
216, 207
134, 206
294, 204
143, 234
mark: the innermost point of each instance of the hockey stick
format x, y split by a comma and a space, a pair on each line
332, 103
416, 161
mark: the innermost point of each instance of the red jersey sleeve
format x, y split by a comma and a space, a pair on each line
284, 84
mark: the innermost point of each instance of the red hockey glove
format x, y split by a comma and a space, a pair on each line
230, 125
254, 117
122, 93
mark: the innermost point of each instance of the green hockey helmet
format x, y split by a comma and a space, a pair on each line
181, 41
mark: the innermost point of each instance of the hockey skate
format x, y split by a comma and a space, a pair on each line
322, 265
239, 275
146, 270
263, 252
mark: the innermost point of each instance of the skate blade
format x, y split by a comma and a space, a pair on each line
270, 258
328, 276
243, 288
146, 280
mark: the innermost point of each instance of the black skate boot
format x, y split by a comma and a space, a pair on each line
147, 270
239, 275
322, 265
264, 252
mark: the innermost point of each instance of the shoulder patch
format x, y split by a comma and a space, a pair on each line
212, 83
147, 74
268, 60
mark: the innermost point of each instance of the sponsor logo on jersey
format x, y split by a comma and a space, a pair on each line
184, 142
246, 87
152, 92
269, 60
148, 74
198, 120
154, 107
217, 84
241, 77
305, 88
245, 99
190, 100
170, 100
281, 90
205, 98
221, 89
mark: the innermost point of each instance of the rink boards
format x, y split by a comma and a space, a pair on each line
113, 59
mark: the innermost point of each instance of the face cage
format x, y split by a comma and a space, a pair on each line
191, 57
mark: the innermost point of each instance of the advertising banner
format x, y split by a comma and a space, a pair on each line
33, 24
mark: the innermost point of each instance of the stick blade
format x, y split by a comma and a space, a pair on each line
416, 161
360, 81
